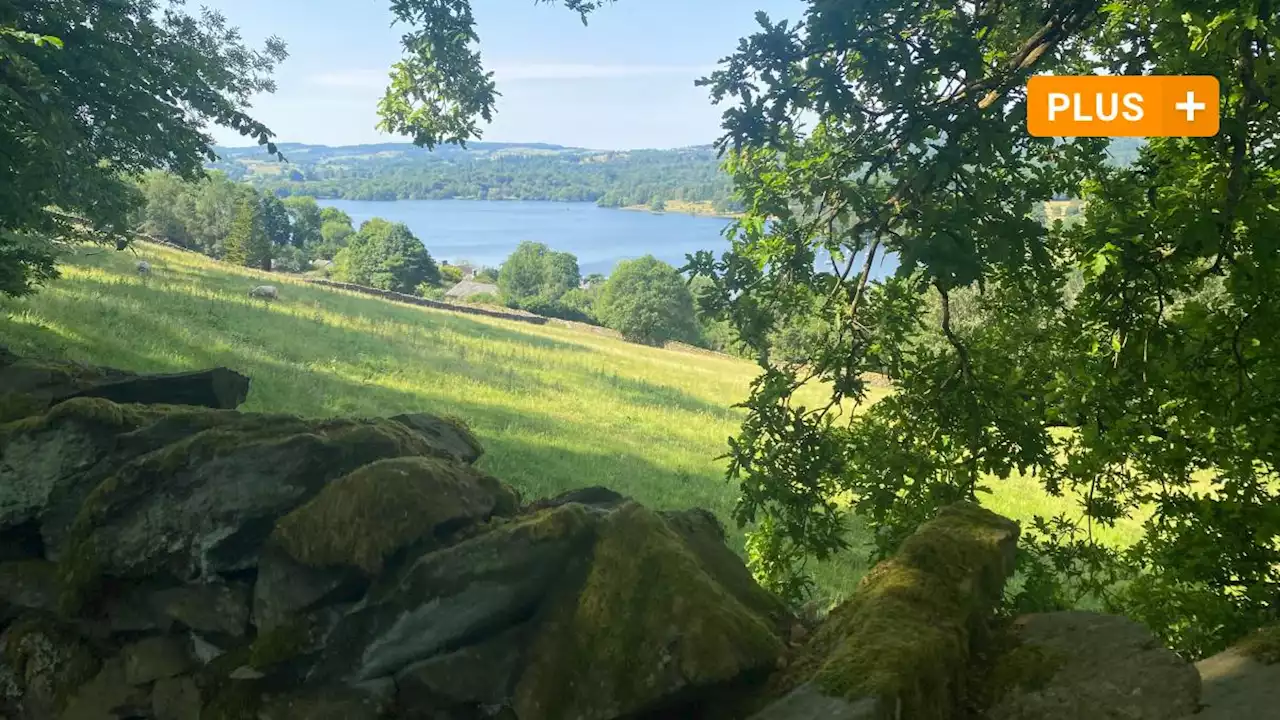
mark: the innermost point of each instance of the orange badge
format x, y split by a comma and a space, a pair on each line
1122, 106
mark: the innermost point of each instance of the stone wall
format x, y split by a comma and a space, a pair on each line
174, 561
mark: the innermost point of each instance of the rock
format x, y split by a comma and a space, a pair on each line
1082, 665
206, 499
216, 388
449, 435
360, 520
646, 626
49, 663
594, 496
325, 704
481, 585
46, 462
108, 696
285, 587
31, 385
902, 643
176, 699
470, 680
809, 703
155, 658
217, 608
1242, 681
28, 585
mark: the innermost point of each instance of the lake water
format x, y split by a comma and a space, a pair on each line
485, 232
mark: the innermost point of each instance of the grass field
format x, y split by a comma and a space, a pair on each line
556, 407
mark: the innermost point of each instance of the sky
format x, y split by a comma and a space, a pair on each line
624, 81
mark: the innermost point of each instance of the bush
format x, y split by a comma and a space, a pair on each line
430, 292
648, 302
386, 256
290, 259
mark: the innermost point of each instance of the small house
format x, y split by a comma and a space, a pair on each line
470, 288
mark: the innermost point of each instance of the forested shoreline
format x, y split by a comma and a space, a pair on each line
686, 179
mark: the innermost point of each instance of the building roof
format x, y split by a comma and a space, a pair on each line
468, 288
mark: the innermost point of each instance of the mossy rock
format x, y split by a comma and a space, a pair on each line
1024, 667
647, 625
227, 478
49, 662
906, 635
361, 519
15, 406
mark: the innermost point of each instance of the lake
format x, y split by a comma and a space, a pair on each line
485, 232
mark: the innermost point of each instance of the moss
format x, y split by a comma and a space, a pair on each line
905, 634
362, 518
1025, 667
646, 622
16, 406
1262, 645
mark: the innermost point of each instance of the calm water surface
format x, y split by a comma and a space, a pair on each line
485, 232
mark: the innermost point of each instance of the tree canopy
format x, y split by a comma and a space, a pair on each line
91, 93
648, 302
1129, 358
387, 256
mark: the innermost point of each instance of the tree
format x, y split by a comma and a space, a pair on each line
247, 243
648, 302
275, 220
386, 256
336, 230
306, 221
534, 273
168, 208
95, 93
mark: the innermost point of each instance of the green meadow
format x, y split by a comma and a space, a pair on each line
556, 407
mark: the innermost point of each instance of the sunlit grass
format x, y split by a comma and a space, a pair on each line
556, 407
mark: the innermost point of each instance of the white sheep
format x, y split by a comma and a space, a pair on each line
266, 292
144, 267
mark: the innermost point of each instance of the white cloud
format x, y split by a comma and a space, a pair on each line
366, 79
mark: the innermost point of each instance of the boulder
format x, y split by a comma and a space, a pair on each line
108, 696
360, 520
286, 588
203, 502
901, 646
444, 598
474, 681
176, 699
338, 703
216, 388
46, 663
645, 628
1081, 665
1242, 681
155, 658
27, 585
29, 386
213, 608
450, 435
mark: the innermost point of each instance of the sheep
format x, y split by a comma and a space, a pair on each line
144, 267
266, 292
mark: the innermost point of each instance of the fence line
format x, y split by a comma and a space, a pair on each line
415, 300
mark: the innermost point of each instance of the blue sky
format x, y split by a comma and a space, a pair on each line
624, 81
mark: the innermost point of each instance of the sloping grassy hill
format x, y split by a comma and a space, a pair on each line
556, 407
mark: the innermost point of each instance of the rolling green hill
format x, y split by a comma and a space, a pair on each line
556, 406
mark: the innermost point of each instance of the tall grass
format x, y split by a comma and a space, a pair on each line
555, 407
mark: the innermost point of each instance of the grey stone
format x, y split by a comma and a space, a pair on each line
1234, 685
206, 607
108, 696
155, 658
333, 703
176, 699
1105, 667
481, 585
809, 703
475, 676
447, 436
29, 584
286, 587
215, 388
48, 662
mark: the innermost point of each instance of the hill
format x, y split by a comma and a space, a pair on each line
687, 179
556, 407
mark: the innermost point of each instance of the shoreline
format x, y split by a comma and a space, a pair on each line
674, 208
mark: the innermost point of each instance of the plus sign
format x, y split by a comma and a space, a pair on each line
1190, 106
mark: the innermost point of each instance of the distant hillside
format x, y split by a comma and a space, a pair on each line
688, 178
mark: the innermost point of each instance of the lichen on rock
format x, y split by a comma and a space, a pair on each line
361, 519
